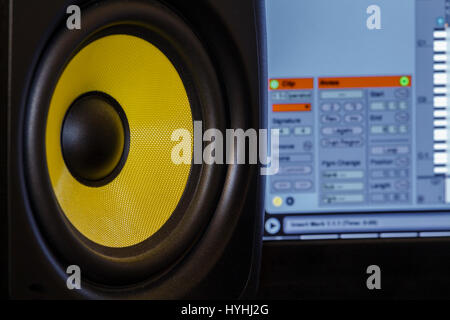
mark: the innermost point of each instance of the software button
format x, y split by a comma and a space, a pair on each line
297, 170
282, 185
402, 117
326, 107
303, 185
349, 106
290, 201
377, 106
355, 118
401, 93
277, 201
342, 143
273, 226
341, 131
336, 107
402, 162
392, 105
390, 150
403, 105
331, 119
402, 185
302, 131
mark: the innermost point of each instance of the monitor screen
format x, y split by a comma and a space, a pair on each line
358, 91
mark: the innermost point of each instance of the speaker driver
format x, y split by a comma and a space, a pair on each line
104, 103
137, 202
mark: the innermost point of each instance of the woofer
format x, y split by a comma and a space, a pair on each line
148, 215
91, 178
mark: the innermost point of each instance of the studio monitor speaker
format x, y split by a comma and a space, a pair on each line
91, 184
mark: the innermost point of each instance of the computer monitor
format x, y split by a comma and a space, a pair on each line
358, 92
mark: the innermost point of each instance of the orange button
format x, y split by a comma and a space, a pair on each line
298, 107
291, 84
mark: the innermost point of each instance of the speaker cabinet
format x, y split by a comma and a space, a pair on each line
90, 177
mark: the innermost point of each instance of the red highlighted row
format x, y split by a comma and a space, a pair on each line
332, 83
341, 83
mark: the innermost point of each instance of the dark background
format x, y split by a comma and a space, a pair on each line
4, 13
411, 269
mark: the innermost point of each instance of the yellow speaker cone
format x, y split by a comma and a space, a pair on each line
140, 200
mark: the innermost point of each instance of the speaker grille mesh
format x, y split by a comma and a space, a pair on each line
143, 196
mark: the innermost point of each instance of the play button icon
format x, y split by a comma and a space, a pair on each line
273, 226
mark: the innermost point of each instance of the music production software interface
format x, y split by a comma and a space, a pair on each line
363, 118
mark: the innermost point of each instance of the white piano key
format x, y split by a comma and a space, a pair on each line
440, 113
440, 170
440, 34
440, 78
440, 45
440, 90
440, 146
440, 134
440, 57
440, 66
440, 158
440, 123
440, 101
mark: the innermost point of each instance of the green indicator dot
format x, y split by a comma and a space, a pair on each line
404, 81
274, 84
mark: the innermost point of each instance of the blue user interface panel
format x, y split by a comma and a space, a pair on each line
359, 92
